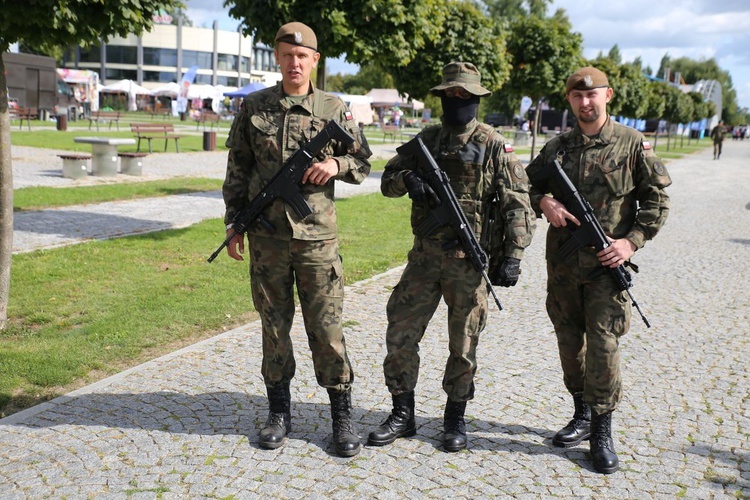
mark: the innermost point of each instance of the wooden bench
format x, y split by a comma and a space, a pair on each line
75, 165
149, 131
25, 114
210, 118
131, 163
105, 116
391, 130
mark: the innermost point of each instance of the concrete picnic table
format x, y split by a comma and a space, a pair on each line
104, 153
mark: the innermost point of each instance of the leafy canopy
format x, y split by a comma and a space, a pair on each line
61, 23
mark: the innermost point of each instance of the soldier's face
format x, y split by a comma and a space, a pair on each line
296, 65
589, 106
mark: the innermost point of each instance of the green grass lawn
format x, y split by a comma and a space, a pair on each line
83, 312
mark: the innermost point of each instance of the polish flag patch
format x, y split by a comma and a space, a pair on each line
348, 115
646, 145
508, 148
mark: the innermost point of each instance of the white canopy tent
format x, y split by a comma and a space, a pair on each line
390, 97
128, 87
360, 107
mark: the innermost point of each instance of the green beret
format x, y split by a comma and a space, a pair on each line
297, 34
586, 79
464, 75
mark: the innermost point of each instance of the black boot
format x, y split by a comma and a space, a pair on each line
454, 427
578, 429
345, 438
279, 421
602, 447
400, 423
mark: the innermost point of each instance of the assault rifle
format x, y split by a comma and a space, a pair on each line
590, 233
448, 212
285, 184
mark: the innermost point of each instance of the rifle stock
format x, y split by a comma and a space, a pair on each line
285, 184
448, 212
590, 233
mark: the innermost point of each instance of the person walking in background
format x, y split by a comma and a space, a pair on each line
481, 166
290, 250
614, 168
718, 133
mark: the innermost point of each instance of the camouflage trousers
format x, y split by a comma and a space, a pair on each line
315, 267
589, 316
432, 273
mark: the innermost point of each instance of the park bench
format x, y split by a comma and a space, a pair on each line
25, 114
131, 163
105, 116
149, 131
207, 117
75, 165
391, 130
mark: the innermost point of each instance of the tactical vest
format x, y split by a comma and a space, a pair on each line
465, 167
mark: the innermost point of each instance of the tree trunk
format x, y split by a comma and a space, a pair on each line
537, 114
320, 81
6, 199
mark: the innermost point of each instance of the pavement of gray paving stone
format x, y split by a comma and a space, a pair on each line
185, 425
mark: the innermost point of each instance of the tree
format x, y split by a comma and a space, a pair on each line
511, 9
544, 54
466, 35
630, 98
700, 108
377, 31
50, 23
678, 109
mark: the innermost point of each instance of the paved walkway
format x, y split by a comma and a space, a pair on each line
185, 425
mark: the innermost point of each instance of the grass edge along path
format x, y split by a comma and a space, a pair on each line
81, 313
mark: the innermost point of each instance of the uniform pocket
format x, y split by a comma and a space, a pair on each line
618, 177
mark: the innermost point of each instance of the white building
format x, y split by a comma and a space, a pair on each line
167, 51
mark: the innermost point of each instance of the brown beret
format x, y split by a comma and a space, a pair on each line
586, 79
297, 34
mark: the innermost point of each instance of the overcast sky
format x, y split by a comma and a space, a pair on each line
698, 29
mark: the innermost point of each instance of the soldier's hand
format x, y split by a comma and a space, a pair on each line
236, 245
556, 213
507, 273
617, 253
419, 190
321, 172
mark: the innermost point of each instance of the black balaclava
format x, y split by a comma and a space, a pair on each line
457, 111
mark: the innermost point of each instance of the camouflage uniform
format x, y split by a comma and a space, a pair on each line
480, 164
718, 133
269, 129
624, 181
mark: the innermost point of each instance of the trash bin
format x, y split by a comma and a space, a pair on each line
209, 141
62, 121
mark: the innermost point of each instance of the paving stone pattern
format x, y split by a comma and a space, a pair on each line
185, 425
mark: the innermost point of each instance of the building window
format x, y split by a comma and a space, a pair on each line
227, 62
120, 54
228, 81
91, 54
194, 58
121, 74
159, 76
153, 56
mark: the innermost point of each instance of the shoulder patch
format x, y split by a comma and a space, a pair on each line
518, 171
348, 115
508, 148
646, 145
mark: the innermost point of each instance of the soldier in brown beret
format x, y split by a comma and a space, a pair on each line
614, 168
291, 250
489, 183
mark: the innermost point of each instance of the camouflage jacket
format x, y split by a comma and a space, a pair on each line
617, 173
266, 133
480, 164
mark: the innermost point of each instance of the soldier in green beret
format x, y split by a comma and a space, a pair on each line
614, 168
482, 167
294, 251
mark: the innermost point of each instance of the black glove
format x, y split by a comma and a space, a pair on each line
506, 274
419, 190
